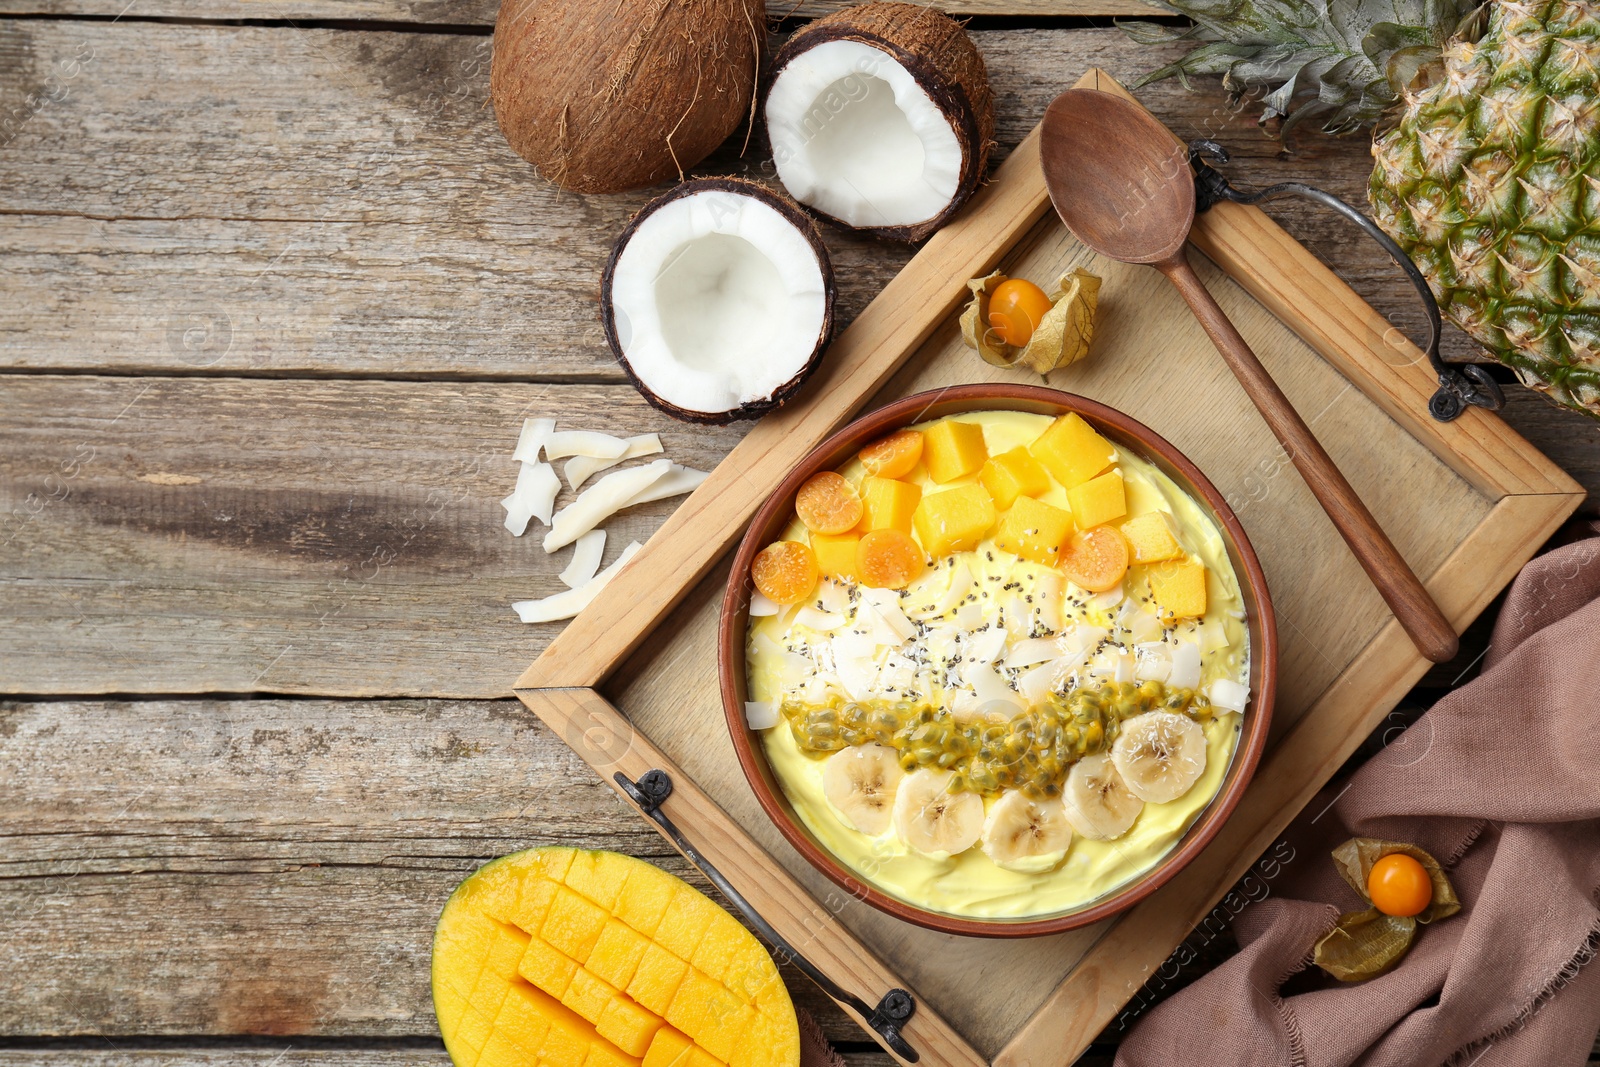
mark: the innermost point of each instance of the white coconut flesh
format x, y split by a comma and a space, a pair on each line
718, 301
856, 137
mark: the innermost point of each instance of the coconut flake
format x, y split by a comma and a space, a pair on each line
761, 606
822, 621
534, 434
590, 443
1034, 650
1185, 672
1107, 600
586, 555
675, 482
886, 606
991, 689
760, 714
1154, 665
534, 497
1227, 693
567, 604
600, 501
580, 469
985, 648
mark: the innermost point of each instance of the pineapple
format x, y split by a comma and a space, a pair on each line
1490, 181
1489, 175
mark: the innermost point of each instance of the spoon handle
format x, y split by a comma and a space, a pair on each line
1411, 603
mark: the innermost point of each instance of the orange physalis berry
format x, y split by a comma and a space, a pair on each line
1015, 309
1399, 885
828, 504
888, 559
1095, 559
894, 456
785, 572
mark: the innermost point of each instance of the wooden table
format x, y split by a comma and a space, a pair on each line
276, 296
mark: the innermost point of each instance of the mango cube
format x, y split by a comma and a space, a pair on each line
1072, 450
501, 1051
836, 555
699, 1057
1098, 500
1150, 538
953, 449
954, 519
1013, 474
598, 877
644, 901
510, 943
688, 917
668, 1048
602, 1054
588, 995
1179, 588
521, 1017
656, 979
534, 903
617, 953
1033, 530
707, 1012
548, 968
627, 1026
572, 924
888, 504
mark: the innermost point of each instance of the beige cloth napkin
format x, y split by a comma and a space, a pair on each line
1500, 781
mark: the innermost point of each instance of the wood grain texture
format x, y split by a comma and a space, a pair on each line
236, 536
204, 199
482, 12
270, 866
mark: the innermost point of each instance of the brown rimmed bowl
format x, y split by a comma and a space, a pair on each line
775, 515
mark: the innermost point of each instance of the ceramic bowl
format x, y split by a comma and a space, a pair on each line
1124, 432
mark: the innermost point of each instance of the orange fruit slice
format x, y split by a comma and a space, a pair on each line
888, 559
785, 571
894, 456
1096, 558
828, 504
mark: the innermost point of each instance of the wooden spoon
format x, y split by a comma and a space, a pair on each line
1121, 183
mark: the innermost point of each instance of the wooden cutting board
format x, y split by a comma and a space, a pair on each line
631, 683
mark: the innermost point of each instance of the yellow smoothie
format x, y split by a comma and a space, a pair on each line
787, 659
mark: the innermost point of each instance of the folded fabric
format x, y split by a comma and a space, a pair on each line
1500, 781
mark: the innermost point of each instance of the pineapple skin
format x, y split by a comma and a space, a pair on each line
1491, 183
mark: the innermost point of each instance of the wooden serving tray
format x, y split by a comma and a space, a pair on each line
631, 682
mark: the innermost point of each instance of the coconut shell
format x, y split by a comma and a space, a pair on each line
791, 211
603, 97
937, 52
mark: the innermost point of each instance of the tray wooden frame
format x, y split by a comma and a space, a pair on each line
1531, 498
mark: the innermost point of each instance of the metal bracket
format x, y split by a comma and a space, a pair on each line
1459, 384
893, 1009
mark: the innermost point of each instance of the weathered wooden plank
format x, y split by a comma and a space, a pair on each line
239, 536
280, 201
269, 866
135, 1052
482, 12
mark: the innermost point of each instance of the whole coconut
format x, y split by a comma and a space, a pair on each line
620, 94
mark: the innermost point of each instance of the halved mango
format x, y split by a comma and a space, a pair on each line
607, 990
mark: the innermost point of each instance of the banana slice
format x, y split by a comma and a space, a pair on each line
1026, 835
931, 819
860, 782
1160, 755
1096, 801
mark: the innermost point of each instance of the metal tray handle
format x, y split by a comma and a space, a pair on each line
1459, 384
894, 1008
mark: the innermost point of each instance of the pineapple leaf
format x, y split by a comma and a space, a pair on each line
1327, 60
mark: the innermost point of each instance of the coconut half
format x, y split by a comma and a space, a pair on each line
881, 118
718, 300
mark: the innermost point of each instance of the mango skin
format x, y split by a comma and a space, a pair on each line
507, 996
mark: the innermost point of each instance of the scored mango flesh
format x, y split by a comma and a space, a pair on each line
558, 957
